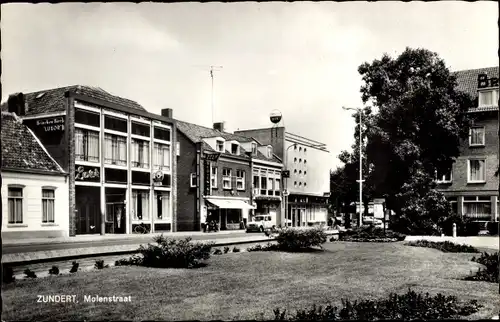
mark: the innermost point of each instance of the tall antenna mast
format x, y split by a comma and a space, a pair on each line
212, 69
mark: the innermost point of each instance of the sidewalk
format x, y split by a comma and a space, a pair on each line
60, 254
114, 237
490, 242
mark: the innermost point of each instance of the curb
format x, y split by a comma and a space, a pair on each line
103, 252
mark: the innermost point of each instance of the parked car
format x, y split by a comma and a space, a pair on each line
373, 221
261, 223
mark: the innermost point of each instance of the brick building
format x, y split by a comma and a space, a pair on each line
214, 177
34, 185
472, 186
119, 157
308, 184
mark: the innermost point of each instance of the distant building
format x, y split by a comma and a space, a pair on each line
307, 163
472, 186
34, 185
119, 157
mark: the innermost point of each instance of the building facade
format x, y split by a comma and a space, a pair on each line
214, 177
34, 185
472, 186
120, 158
306, 177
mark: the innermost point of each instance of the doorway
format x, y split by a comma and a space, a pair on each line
115, 210
88, 210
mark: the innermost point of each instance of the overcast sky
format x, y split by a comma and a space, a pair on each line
298, 58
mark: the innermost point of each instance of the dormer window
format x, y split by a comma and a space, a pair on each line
220, 145
254, 148
269, 151
488, 97
235, 148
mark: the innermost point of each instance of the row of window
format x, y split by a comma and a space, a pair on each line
476, 172
120, 125
236, 149
299, 148
476, 207
266, 182
115, 150
16, 209
227, 178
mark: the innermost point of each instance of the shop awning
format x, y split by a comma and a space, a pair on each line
229, 204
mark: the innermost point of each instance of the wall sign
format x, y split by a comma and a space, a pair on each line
87, 174
55, 124
211, 156
207, 182
483, 81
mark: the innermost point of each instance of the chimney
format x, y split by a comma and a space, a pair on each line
167, 112
219, 126
16, 104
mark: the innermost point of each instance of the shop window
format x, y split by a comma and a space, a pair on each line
115, 150
140, 205
15, 201
162, 205
48, 206
86, 145
115, 124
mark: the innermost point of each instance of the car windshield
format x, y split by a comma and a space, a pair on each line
258, 218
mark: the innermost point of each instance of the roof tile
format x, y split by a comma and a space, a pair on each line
21, 149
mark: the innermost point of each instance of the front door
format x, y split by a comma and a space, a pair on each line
115, 218
87, 210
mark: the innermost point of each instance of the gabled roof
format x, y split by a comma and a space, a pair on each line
196, 133
22, 150
52, 100
467, 79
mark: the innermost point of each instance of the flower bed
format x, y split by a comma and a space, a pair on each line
446, 246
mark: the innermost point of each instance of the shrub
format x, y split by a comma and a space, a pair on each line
256, 248
74, 268
409, 306
236, 249
99, 264
29, 273
54, 270
133, 260
8, 274
297, 239
371, 234
174, 253
446, 246
226, 250
490, 274
493, 228
217, 251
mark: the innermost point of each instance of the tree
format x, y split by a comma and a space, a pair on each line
419, 121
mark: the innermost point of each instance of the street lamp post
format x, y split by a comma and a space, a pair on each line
360, 217
286, 184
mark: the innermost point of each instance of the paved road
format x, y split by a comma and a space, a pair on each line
14, 249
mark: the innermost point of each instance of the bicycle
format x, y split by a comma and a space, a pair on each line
141, 229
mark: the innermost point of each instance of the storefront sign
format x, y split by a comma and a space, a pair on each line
484, 82
207, 182
158, 176
55, 124
87, 174
211, 156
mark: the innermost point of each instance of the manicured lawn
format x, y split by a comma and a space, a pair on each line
244, 285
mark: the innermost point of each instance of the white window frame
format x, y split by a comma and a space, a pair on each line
119, 139
157, 147
226, 177
193, 182
240, 179
15, 198
494, 98
269, 152
254, 148
213, 177
85, 138
46, 203
442, 179
477, 201
219, 145
469, 180
470, 136
133, 143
